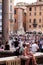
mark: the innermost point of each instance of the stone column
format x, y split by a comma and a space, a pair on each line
5, 20
20, 22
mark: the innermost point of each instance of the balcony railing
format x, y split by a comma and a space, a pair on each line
34, 25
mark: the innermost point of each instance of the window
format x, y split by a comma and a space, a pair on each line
1, 7
25, 14
11, 1
0, 13
35, 8
40, 13
10, 16
29, 26
39, 26
40, 7
0, 20
40, 0
30, 14
29, 20
0, 23
10, 7
39, 20
15, 20
35, 13
42, 25
30, 9
34, 21
0, 16
11, 19
0, 3
14, 11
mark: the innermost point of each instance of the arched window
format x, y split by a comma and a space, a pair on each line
34, 21
40, 0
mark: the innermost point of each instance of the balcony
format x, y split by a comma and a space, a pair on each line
34, 25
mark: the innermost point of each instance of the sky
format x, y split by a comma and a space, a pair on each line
27, 1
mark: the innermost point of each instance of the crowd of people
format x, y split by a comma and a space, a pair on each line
35, 41
31, 44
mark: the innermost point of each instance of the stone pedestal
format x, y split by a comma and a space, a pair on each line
5, 20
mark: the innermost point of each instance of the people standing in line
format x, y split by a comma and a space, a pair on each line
7, 47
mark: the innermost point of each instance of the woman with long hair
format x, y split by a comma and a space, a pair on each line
26, 52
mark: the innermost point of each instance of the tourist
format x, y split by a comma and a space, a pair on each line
42, 47
35, 47
16, 42
7, 47
31, 60
12, 47
16, 45
40, 44
22, 48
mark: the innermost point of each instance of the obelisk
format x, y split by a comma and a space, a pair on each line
5, 21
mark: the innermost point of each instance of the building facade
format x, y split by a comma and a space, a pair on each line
11, 16
19, 7
15, 19
34, 17
21, 17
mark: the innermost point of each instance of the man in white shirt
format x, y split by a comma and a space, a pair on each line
35, 47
